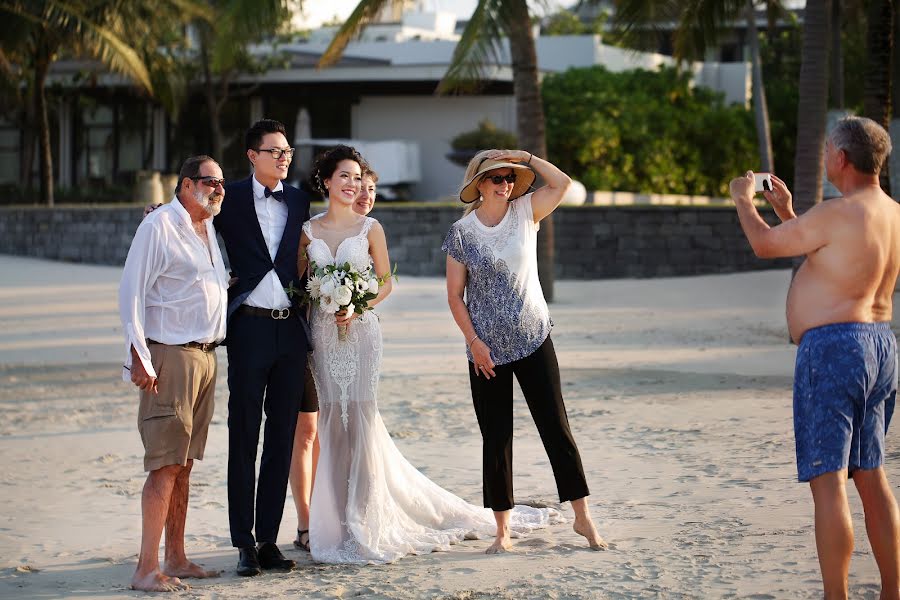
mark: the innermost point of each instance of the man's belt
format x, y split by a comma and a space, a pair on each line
205, 346
279, 314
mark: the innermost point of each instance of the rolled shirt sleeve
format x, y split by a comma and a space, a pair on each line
142, 266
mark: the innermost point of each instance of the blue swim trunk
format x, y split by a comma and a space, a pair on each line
845, 384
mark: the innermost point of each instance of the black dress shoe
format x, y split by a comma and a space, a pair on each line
271, 558
248, 562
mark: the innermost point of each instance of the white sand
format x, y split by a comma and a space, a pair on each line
678, 393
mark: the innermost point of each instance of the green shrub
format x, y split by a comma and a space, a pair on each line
645, 131
486, 136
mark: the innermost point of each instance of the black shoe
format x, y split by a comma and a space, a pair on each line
271, 558
248, 562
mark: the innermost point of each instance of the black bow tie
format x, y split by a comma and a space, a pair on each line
278, 195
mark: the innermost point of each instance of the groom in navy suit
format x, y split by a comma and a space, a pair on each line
268, 339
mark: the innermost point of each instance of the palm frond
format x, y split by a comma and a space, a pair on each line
240, 23
361, 16
632, 17
702, 23
63, 20
479, 46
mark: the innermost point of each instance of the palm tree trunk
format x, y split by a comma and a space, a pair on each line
760, 108
812, 106
26, 160
837, 57
40, 100
213, 107
877, 84
215, 122
530, 127
894, 158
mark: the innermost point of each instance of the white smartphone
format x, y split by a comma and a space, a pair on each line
763, 182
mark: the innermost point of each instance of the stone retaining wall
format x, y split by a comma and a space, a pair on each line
592, 242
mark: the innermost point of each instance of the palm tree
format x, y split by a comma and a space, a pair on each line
43, 30
479, 46
700, 24
812, 105
894, 158
223, 51
877, 85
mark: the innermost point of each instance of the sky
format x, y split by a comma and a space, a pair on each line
324, 10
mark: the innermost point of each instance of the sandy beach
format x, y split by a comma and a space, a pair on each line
678, 392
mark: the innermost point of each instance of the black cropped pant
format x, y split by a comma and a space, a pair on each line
538, 376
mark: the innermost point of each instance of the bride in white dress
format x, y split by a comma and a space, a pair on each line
369, 504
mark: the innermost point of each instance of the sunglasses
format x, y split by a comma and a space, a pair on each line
498, 179
212, 182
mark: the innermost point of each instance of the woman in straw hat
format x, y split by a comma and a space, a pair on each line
497, 302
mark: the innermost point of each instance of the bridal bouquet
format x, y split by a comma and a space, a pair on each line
334, 288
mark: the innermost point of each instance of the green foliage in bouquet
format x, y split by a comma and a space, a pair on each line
324, 283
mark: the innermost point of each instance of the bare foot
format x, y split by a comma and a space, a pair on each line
188, 569
157, 582
501, 545
586, 528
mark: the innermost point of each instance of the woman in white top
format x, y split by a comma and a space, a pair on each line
497, 302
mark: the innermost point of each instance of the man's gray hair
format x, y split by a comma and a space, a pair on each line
191, 169
864, 141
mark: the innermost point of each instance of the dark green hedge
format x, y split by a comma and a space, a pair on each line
645, 131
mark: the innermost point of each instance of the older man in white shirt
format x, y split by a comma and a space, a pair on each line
173, 304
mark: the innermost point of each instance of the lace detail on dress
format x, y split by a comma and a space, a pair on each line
339, 361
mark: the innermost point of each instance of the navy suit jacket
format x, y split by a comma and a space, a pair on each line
247, 252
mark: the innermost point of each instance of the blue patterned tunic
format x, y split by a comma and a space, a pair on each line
503, 294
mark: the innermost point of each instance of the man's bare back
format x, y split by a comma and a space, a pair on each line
851, 277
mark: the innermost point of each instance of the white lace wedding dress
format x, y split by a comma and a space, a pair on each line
369, 504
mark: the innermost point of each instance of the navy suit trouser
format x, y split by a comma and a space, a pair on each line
266, 366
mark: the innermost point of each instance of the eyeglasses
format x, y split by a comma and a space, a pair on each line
498, 179
212, 182
277, 152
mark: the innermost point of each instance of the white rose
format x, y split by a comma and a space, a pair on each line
326, 288
342, 295
350, 309
373, 286
326, 303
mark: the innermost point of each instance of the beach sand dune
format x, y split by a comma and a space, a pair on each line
678, 391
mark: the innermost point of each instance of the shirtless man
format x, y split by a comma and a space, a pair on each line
839, 312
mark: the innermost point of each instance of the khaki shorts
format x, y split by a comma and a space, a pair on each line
174, 423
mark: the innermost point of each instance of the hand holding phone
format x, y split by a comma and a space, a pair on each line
762, 182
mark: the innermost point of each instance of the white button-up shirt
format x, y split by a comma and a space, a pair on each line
174, 288
272, 216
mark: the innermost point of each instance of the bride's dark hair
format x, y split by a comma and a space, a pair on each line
327, 162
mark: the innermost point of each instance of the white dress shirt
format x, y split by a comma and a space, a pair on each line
272, 216
174, 288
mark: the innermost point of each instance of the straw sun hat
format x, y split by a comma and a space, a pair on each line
524, 178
